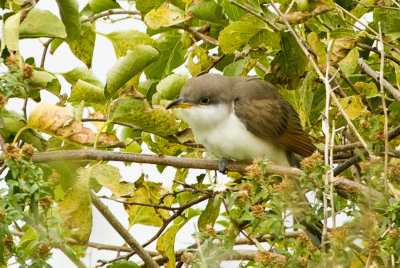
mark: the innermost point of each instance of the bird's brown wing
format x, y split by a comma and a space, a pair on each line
267, 115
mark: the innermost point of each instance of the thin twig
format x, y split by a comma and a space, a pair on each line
45, 48
104, 210
26, 7
276, 29
376, 37
331, 176
24, 109
351, 85
378, 52
110, 12
139, 204
377, 6
385, 122
299, 42
325, 127
348, 120
197, 34
368, 70
173, 217
205, 71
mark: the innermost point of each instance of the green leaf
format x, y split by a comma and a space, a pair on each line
166, 242
209, 11
353, 106
164, 17
394, 109
360, 8
98, 6
109, 177
84, 91
134, 147
13, 122
204, 61
10, 37
123, 264
145, 6
130, 65
390, 21
147, 193
233, 12
82, 46
42, 23
56, 43
84, 74
369, 89
69, 11
238, 33
170, 87
42, 79
161, 145
210, 213
349, 63
172, 55
319, 48
134, 111
76, 207
292, 60
127, 40
266, 39
240, 67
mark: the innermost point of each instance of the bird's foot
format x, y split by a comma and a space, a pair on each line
222, 165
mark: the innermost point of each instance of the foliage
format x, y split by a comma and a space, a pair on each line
299, 46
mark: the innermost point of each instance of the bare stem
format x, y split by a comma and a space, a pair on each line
110, 12
384, 107
368, 70
103, 209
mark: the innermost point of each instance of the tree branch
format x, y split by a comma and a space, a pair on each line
378, 52
178, 162
103, 209
68, 155
364, 67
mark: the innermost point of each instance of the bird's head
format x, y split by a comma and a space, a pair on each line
203, 91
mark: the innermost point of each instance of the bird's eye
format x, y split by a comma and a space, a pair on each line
204, 100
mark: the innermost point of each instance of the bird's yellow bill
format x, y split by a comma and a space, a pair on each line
179, 104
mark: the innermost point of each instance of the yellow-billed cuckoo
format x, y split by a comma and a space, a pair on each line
242, 118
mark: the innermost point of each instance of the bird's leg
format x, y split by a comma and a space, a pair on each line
222, 165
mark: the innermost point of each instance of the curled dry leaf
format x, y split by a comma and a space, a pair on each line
298, 17
57, 122
341, 47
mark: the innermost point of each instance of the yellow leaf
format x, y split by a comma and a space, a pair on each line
164, 17
56, 121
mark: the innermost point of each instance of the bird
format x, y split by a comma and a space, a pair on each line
244, 119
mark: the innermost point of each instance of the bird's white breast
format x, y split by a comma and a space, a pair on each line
224, 135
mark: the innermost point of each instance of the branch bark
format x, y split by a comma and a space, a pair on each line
123, 232
365, 68
195, 163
